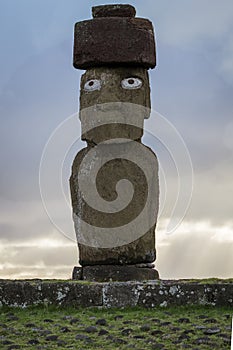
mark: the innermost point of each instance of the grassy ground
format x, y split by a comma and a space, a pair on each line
136, 328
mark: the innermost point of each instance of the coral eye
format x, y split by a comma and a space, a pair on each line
93, 84
131, 83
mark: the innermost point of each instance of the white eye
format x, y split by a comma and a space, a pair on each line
131, 83
92, 85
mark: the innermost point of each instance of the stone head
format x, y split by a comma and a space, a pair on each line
116, 50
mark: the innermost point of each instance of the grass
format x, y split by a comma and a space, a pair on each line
208, 280
137, 328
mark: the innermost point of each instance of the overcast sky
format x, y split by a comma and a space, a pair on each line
192, 87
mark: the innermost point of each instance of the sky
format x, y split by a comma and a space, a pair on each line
191, 86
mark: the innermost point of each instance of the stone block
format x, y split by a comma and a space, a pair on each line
109, 110
114, 41
157, 293
39, 292
77, 273
106, 273
113, 11
122, 232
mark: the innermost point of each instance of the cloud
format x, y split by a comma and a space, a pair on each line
196, 250
211, 199
186, 23
226, 62
23, 222
51, 257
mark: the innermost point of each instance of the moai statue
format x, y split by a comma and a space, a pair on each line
114, 182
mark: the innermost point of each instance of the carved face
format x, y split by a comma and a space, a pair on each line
118, 96
104, 85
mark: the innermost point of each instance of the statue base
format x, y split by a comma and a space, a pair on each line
108, 273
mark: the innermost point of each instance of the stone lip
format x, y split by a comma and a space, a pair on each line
158, 293
113, 11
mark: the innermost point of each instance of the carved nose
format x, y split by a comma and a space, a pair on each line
108, 94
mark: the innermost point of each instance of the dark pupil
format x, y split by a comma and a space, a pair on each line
131, 81
91, 83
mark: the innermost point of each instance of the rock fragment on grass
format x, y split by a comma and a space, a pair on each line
91, 329
51, 337
101, 322
211, 331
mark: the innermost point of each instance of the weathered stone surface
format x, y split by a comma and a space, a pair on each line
113, 11
123, 225
143, 250
114, 41
112, 111
114, 182
106, 273
34, 292
120, 294
167, 293
77, 273
115, 294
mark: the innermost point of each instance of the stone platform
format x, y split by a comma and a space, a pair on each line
110, 273
157, 293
